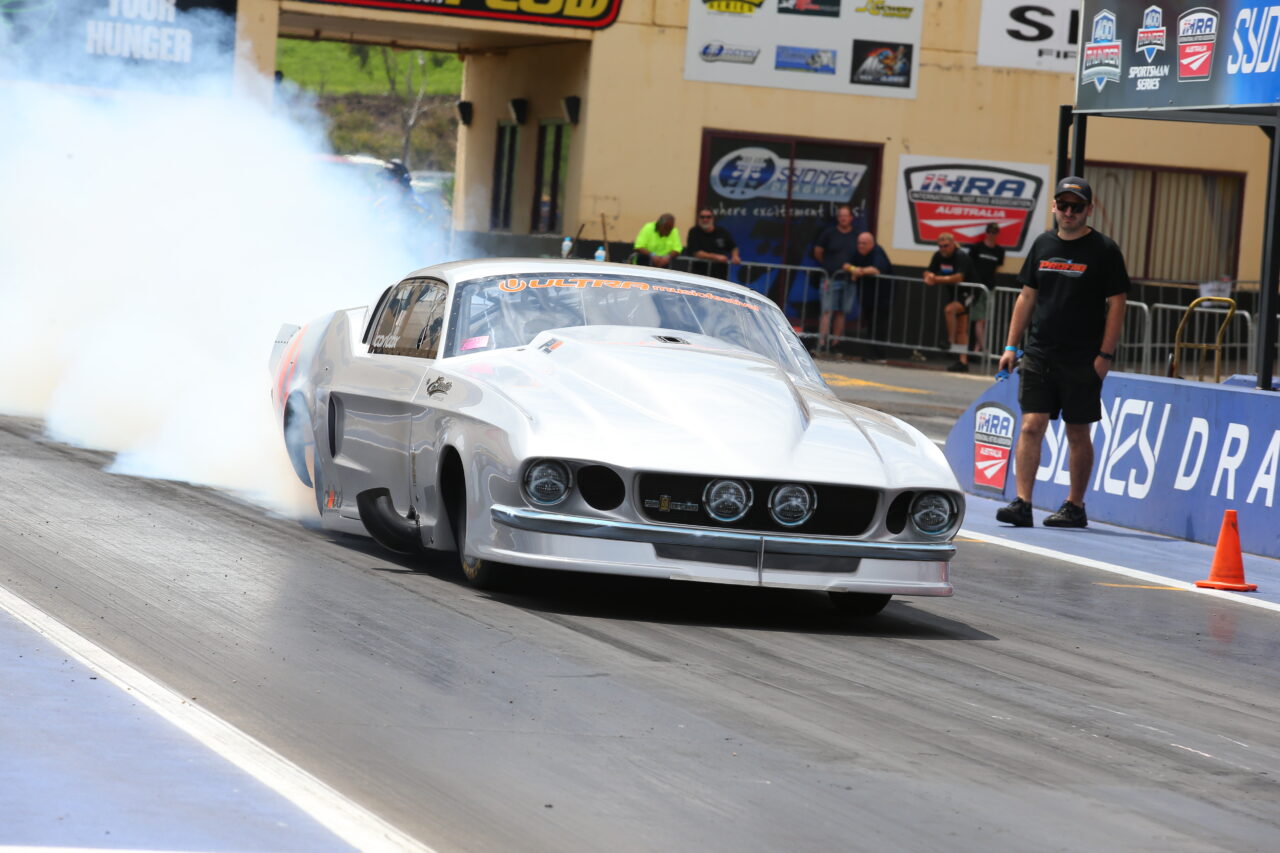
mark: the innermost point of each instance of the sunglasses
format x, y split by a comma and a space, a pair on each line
1071, 206
705, 216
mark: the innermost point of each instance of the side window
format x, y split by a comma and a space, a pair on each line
412, 321
388, 329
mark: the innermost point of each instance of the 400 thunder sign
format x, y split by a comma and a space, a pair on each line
963, 197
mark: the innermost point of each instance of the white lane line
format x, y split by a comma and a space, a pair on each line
1241, 598
347, 820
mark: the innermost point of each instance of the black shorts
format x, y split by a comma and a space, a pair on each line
1046, 387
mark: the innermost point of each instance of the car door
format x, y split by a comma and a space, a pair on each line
373, 399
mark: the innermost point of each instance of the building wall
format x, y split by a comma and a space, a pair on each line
641, 136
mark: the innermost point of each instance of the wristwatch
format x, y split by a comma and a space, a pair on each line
1109, 356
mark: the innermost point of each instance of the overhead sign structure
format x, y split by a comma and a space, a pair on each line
1195, 54
134, 44
589, 14
962, 197
1040, 36
855, 47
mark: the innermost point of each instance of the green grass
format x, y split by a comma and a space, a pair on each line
333, 68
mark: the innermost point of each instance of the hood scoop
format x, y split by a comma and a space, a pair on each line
670, 339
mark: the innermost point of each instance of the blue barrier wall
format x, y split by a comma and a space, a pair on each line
1169, 457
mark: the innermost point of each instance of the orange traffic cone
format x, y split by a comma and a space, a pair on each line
1227, 571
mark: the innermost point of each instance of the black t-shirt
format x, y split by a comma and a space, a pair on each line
718, 241
986, 260
1073, 279
957, 263
837, 247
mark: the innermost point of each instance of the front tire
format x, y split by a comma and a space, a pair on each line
858, 605
480, 573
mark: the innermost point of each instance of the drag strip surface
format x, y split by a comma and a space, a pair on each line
1036, 709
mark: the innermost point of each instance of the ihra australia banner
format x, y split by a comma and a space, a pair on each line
591, 14
1160, 56
939, 195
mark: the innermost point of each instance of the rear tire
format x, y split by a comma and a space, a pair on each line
480, 573
858, 605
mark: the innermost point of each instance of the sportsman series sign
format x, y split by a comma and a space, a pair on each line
1180, 55
590, 14
962, 197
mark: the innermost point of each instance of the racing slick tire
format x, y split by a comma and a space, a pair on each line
480, 573
858, 605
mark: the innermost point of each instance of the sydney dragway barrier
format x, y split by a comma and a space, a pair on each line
1170, 456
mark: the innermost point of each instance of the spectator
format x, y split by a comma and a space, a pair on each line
986, 256
865, 267
833, 249
658, 242
1074, 289
951, 266
712, 244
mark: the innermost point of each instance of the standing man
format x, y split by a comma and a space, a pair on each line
833, 249
658, 243
1074, 286
865, 266
951, 266
986, 256
709, 242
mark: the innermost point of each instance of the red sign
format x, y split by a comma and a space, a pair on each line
590, 14
963, 199
992, 443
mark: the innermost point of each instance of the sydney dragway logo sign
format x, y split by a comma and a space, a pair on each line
993, 428
1169, 457
964, 197
753, 172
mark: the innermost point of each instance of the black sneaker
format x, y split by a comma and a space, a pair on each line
1017, 512
1068, 515
958, 367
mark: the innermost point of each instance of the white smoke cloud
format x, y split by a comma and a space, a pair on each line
150, 247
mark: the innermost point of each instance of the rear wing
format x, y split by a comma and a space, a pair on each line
286, 333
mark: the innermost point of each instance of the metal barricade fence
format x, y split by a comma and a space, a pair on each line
796, 289
1134, 353
1238, 353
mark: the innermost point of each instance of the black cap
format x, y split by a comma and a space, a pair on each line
1077, 186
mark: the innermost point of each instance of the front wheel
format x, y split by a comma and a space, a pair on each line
858, 605
480, 573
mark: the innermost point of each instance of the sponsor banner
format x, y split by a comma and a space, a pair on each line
105, 44
1178, 55
876, 64
1040, 36
1169, 457
590, 14
964, 196
861, 47
745, 180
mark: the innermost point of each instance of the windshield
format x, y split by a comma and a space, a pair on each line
510, 311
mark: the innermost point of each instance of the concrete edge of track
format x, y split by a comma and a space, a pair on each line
1135, 554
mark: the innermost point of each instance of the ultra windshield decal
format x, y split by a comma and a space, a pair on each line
515, 285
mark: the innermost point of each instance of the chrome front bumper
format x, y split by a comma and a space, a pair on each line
537, 521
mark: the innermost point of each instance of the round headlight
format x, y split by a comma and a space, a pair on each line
727, 500
547, 482
932, 512
792, 505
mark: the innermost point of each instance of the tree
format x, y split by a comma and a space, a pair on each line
407, 83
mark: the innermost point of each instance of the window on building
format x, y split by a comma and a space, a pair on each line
1173, 225
504, 171
553, 166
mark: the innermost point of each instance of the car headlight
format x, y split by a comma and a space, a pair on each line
932, 512
547, 482
792, 505
727, 500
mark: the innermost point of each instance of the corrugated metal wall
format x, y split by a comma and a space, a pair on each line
1179, 226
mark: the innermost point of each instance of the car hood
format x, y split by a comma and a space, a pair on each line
694, 404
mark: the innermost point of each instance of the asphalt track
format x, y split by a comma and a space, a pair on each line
1049, 705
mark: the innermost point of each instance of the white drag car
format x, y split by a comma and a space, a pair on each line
608, 418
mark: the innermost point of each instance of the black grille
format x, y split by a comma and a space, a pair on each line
677, 499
